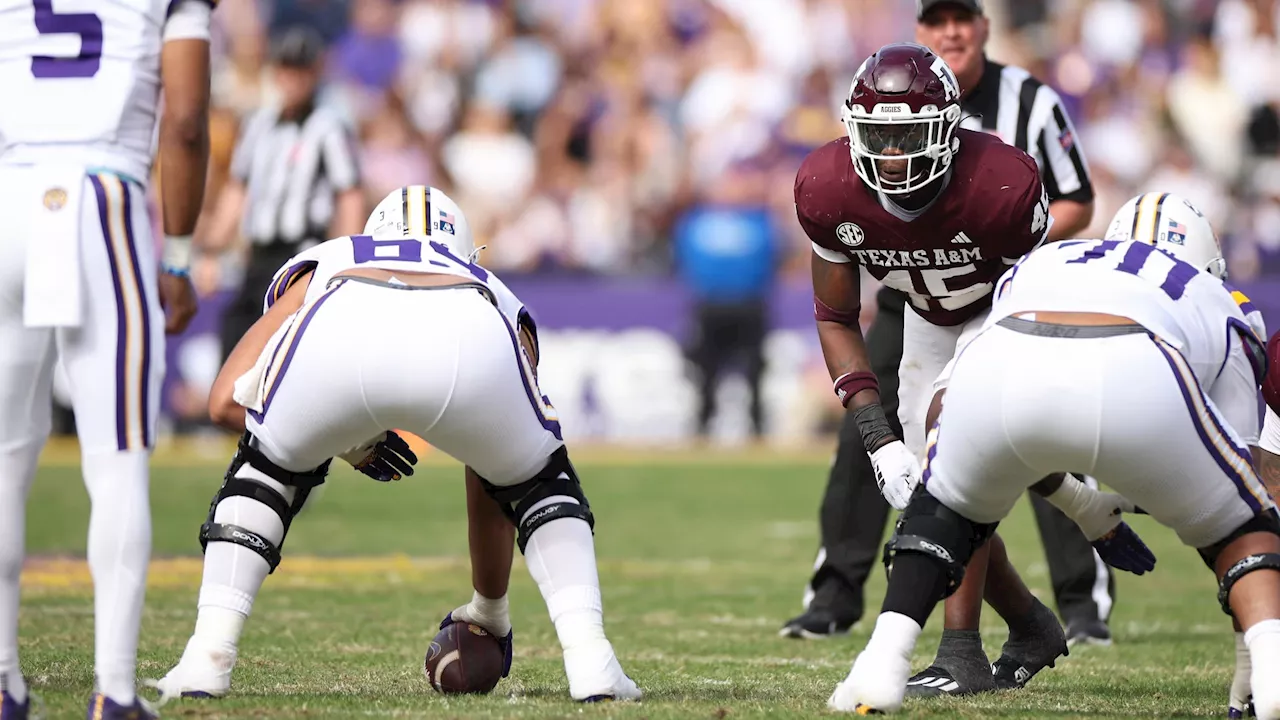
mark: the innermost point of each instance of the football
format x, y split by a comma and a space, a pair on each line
464, 658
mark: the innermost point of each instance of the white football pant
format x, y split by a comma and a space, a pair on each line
441, 363
1125, 409
78, 281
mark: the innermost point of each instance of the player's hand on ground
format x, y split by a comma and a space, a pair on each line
1122, 549
384, 459
178, 298
897, 473
464, 614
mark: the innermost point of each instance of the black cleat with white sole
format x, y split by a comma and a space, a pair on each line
815, 625
1030, 650
1091, 631
935, 680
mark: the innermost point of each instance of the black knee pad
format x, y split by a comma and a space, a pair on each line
929, 528
1246, 565
233, 486
557, 478
1266, 521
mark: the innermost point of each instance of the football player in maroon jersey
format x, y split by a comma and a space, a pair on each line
939, 213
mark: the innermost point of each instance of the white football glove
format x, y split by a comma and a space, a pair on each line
1096, 512
897, 473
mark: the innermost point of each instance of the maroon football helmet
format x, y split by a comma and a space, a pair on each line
903, 109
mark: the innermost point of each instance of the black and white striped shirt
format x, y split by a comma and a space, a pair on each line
293, 171
1028, 114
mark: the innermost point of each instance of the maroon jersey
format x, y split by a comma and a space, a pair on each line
992, 212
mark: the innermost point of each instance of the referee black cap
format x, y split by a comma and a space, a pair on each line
924, 6
297, 47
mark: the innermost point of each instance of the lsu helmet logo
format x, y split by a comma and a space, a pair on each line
55, 199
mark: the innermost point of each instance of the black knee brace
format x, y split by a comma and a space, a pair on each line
1262, 522
927, 527
233, 486
1246, 565
557, 478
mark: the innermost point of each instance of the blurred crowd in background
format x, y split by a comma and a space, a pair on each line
586, 136
576, 133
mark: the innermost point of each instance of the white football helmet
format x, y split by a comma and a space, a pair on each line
1174, 225
421, 211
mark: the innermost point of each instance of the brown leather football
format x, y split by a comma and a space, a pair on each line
464, 658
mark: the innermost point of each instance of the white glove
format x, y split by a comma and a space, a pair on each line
897, 473
489, 614
1096, 512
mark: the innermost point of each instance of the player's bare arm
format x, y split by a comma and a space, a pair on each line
1070, 218
184, 161
219, 233
491, 538
836, 305
1269, 471
223, 409
348, 214
837, 302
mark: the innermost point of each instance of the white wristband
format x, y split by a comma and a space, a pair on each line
177, 252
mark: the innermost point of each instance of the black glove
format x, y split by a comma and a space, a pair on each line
389, 459
1122, 549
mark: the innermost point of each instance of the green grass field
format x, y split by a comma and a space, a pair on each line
703, 556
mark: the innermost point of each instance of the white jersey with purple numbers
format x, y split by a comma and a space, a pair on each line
81, 82
1195, 312
420, 255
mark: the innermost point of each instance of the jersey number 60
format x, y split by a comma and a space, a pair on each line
87, 25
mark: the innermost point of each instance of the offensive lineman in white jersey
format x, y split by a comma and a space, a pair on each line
464, 380
80, 281
1113, 358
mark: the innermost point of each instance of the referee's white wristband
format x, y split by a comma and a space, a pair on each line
176, 259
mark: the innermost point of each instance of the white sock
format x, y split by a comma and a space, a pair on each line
119, 550
17, 469
1241, 682
895, 634
561, 557
233, 574
1263, 640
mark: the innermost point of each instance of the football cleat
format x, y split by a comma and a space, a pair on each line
11, 709
937, 680
201, 673
1242, 712
815, 625
1025, 654
102, 707
875, 685
1090, 631
596, 676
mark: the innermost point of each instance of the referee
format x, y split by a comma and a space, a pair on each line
294, 179
1021, 110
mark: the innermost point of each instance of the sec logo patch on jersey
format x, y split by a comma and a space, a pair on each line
55, 199
850, 234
